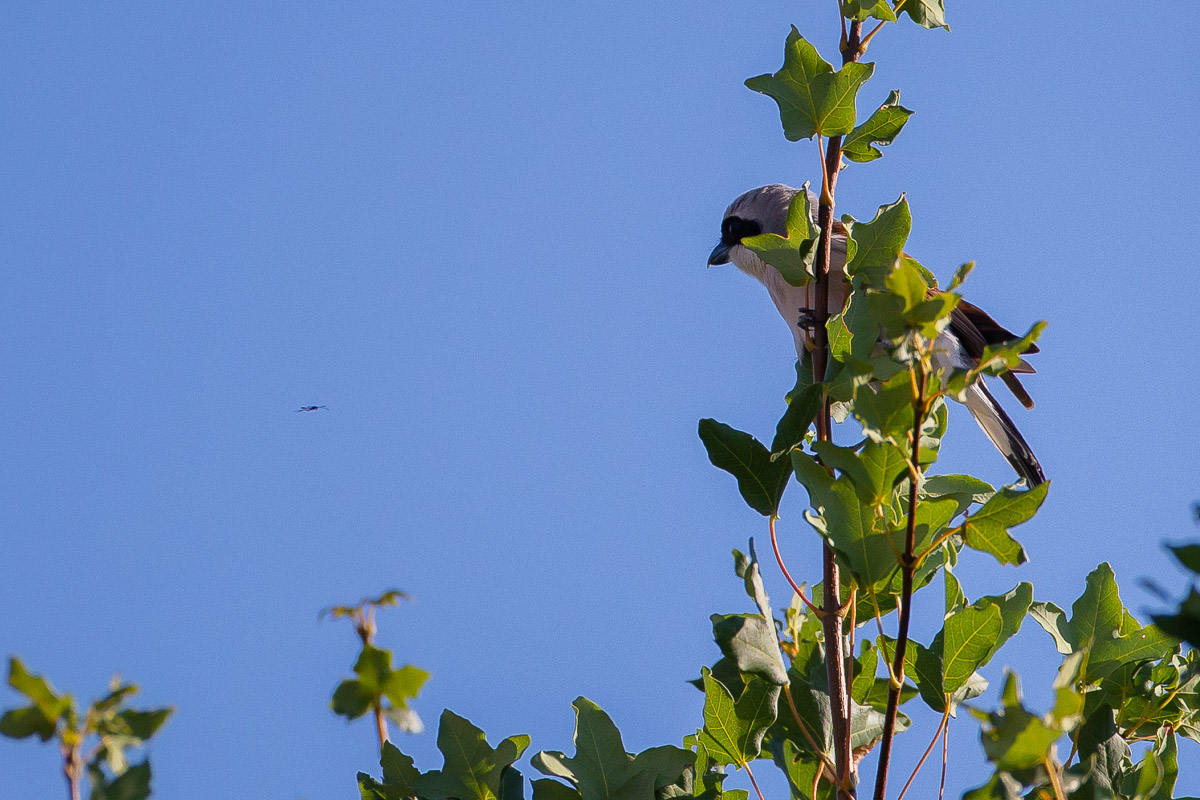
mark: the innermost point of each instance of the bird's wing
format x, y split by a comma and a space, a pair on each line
976, 330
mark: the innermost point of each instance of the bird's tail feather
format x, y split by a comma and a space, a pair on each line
1004, 434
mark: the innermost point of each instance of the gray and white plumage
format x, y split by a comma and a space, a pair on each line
765, 210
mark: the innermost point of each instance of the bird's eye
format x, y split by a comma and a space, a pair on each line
734, 229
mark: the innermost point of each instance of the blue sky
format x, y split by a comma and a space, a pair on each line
478, 235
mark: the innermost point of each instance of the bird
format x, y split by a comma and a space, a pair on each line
961, 344
303, 409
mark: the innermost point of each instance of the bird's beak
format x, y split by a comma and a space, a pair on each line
719, 255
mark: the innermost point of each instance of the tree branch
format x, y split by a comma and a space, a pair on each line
835, 664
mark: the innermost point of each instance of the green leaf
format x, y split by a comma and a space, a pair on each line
750, 640
1013, 738
601, 769
746, 568
37, 689
886, 410
18, 723
987, 529
1098, 613
761, 481
880, 129
1013, 606
143, 724
404, 684
471, 769
873, 247
1100, 737
373, 667
546, 789
873, 471
1054, 621
1188, 555
1146, 645
1101, 627
926, 13
960, 275
733, 731
803, 406
132, 784
971, 636
858, 533
1185, 623
1001, 786
794, 254
352, 699
999, 358
853, 333
398, 769
964, 488
861, 10
812, 98
801, 769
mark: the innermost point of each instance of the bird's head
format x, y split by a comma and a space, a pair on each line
761, 210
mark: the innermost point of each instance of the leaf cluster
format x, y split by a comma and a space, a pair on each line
377, 685
98, 740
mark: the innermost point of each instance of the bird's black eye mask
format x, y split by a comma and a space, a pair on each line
734, 229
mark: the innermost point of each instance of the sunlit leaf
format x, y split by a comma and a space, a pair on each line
873, 247
793, 254
812, 98
987, 529
472, 769
881, 128
733, 731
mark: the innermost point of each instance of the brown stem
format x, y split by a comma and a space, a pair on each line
908, 566
73, 770
788, 575
1055, 779
928, 750
380, 724
835, 663
945, 753
754, 782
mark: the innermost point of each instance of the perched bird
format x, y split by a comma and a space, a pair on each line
961, 344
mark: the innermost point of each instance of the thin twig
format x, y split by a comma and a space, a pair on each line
754, 782
73, 770
783, 567
866, 42
380, 724
812, 741
908, 566
945, 752
928, 750
1055, 783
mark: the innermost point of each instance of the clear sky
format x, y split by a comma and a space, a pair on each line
477, 233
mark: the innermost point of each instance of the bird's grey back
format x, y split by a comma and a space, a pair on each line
768, 206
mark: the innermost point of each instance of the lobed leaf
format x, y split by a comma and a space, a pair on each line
987, 529
812, 98
733, 731
794, 254
873, 247
881, 128
761, 481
